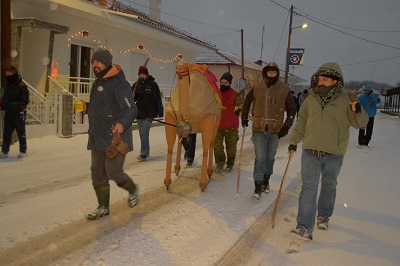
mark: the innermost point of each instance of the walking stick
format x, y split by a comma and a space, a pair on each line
240, 160
278, 198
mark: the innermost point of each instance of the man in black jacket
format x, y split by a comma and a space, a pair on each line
14, 103
111, 111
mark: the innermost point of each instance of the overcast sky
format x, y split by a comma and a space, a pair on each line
377, 22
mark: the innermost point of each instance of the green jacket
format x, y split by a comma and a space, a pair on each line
326, 129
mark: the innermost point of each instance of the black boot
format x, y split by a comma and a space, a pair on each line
103, 197
133, 190
265, 187
257, 190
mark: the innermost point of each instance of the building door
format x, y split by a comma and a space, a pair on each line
79, 70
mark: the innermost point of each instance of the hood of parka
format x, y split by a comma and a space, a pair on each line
331, 70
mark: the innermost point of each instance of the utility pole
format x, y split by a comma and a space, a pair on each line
288, 46
5, 37
262, 44
241, 37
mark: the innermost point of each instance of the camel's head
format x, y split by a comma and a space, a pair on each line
182, 69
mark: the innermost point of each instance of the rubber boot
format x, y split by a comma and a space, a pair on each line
133, 190
103, 198
265, 187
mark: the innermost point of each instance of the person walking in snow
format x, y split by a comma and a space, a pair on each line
111, 111
368, 100
271, 98
146, 93
228, 127
14, 102
323, 128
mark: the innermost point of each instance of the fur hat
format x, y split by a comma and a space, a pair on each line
143, 70
104, 56
227, 76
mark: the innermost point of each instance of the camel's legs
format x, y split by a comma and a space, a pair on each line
170, 134
207, 133
211, 150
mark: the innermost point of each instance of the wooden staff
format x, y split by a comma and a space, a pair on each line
278, 198
240, 160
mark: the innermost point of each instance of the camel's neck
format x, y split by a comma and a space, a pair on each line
184, 96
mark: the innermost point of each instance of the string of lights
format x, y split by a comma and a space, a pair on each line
139, 47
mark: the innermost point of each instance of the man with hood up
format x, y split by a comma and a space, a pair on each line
323, 126
111, 111
271, 98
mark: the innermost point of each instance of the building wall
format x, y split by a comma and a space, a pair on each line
111, 30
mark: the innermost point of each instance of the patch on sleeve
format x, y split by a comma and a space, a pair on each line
128, 103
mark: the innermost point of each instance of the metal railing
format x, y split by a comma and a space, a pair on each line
392, 101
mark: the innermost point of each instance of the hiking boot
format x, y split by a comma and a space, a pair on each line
141, 158
265, 187
228, 168
322, 223
257, 190
218, 169
22, 155
189, 163
3, 155
301, 233
98, 213
133, 190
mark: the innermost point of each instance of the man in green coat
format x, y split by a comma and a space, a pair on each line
323, 126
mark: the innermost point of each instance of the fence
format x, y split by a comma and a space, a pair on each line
392, 102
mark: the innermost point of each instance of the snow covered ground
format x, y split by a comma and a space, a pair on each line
45, 196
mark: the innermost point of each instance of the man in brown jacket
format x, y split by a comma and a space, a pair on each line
271, 98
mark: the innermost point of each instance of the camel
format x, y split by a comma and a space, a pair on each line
195, 106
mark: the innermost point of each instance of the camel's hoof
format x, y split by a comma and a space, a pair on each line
202, 190
167, 187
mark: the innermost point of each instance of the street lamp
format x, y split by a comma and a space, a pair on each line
288, 46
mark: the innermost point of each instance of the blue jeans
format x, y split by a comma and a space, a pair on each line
265, 146
312, 167
144, 132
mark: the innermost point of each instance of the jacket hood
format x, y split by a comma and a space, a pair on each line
115, 70
149, 78
328, 69
269, 66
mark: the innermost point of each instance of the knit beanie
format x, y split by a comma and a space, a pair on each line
103, 56
227, 76
143, 70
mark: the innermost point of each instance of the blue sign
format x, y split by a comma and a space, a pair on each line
296, 56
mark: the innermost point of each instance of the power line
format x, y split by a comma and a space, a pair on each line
361, 63
221, 34
202, 23
325, 25
280, 39
340, 26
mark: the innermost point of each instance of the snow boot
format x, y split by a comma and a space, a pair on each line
103, 198
133, 190
257, 190
265, 187
322, 223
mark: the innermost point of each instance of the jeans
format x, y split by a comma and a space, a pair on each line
265, 146
312, 167
144, 132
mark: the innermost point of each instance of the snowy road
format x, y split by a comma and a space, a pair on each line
44, 198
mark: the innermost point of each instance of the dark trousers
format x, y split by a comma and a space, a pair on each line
364, 135
104, 168
189, 144
14, 120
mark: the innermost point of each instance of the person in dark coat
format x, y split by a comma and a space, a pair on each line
146, 94
111, 111
14, 102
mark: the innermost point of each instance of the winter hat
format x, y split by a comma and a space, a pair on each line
227, 76
143, 70
104, 56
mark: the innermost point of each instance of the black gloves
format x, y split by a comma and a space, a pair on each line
245, 122
237, 111
358, 107
283, 132
292, 147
